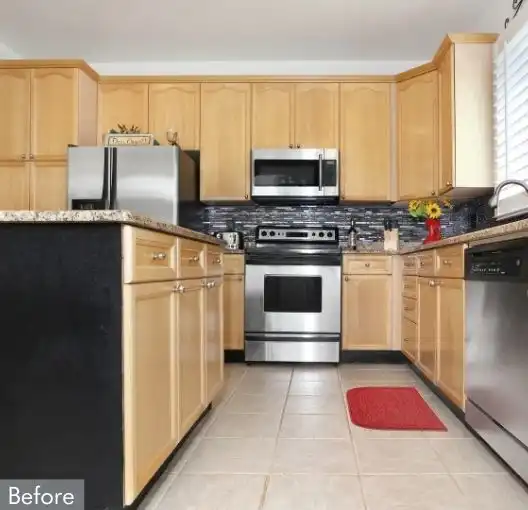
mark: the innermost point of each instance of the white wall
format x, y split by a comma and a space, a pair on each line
495, 12
6, 52
299, 67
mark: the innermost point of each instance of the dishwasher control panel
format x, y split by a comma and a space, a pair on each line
499, 260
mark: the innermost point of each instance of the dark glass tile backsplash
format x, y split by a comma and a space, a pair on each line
463, 218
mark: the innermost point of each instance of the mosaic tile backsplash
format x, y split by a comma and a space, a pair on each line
464, 217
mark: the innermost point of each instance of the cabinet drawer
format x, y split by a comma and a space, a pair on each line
409, 338
426, 263
409, 264
215, 260
191, 259
233, 263
410, 287
148, 256
410, 309
361, 264
450, 262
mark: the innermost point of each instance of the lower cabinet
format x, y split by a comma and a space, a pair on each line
149, 434
409, 339
427, 324
234, 312
214, 338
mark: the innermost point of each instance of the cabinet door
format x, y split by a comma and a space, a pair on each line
317, 115
234, 312
214, 339
409, 339
446, 132
427, 324
49, 186
15, 86
225, 145
417, 123
189, 320
451, 339
366, 312
14, 186
272, 115
122, 103
148, 331
175, 106
365, 147
54, 119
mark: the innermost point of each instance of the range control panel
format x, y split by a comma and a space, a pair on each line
326, 235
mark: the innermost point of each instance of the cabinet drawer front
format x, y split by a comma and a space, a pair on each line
409, 338
191, 259
215, 260
410, 287
409, 264
148, 256
426, 264
450, 262
361, 264
410, 309
233, 263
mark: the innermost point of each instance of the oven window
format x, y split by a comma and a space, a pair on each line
293, 294
286, 173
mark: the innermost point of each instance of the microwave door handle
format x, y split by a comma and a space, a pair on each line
320, 171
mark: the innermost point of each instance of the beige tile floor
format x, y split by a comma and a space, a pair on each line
278, 438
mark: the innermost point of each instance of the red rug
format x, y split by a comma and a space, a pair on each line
391, 409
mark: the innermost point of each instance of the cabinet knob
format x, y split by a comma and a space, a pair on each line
298, 145
449, 184
290, 146
346, 278
367, 264
446, 262
179, 288
195, 258
432, 283
23, 156
246, 196
217, 260
159, 256
210, 285
31, 156
433, 193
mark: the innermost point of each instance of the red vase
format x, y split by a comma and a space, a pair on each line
433, 230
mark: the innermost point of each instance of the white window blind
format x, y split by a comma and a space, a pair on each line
510, 110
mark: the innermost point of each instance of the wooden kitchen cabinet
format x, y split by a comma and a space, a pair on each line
272, 115
417, 131
14, 185
214, 337
175, 106
365, 141
317, 115
366, 315
234, 312
409, 339
48, 186
427, 325
225, 141
122, 103
149, 436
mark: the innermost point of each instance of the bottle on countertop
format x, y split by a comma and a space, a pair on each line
352, 236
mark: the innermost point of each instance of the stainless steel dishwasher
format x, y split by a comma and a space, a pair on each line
497, 348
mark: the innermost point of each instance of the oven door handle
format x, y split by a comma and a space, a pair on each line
320, 171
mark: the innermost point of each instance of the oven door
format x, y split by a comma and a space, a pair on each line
295, 174
292, 296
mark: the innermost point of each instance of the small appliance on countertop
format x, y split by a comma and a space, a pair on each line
391, 241
233, 240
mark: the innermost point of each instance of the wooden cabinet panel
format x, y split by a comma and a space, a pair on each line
365, 264
234, 312
410, 309
409, 339
233, 263
175, 106
317, 115
417, 124
446, 87
272, 115
426, 263
148, 330
189, 321
366, 315
191, 258
410, 287
215, 260
427, 324
410, 264
54, 112
365, 141
49, 185
451, 347
214, 338
14, 186
225, 141
450, 261
15, 87
122, 103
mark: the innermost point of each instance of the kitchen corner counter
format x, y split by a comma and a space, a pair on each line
116, 216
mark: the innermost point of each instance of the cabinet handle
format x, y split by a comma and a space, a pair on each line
446, 262
179, 288
298, 145
290, 146
433, 193
367, 264
217, 260
31, 156
23, 156
449, 184
194, 258
405, 340
407, 308
432, 283
246, 196
210, 285
159, 256
346, 278
342, 197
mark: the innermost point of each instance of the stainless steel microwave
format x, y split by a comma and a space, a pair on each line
295, 175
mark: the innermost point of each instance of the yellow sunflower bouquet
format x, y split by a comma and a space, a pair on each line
429, 209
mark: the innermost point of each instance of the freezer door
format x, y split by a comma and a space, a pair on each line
85, 173
147, 182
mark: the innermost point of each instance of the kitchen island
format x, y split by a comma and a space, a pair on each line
112, 347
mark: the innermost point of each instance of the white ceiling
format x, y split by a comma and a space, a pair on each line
224, 30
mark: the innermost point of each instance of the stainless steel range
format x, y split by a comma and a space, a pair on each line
293, 295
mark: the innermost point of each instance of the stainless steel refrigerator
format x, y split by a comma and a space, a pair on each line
159, 182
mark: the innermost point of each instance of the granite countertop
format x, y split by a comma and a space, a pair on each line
125, 217
234, 252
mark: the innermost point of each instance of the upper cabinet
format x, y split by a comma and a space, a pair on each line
122, 103
225, 141
417, 127
465, 75
365, 141
176, 107
317, 115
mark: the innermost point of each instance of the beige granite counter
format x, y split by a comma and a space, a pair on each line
234, 252
125, 217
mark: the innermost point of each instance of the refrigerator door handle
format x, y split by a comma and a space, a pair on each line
113, 180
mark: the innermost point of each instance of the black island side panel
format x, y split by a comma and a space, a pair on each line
60, 358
